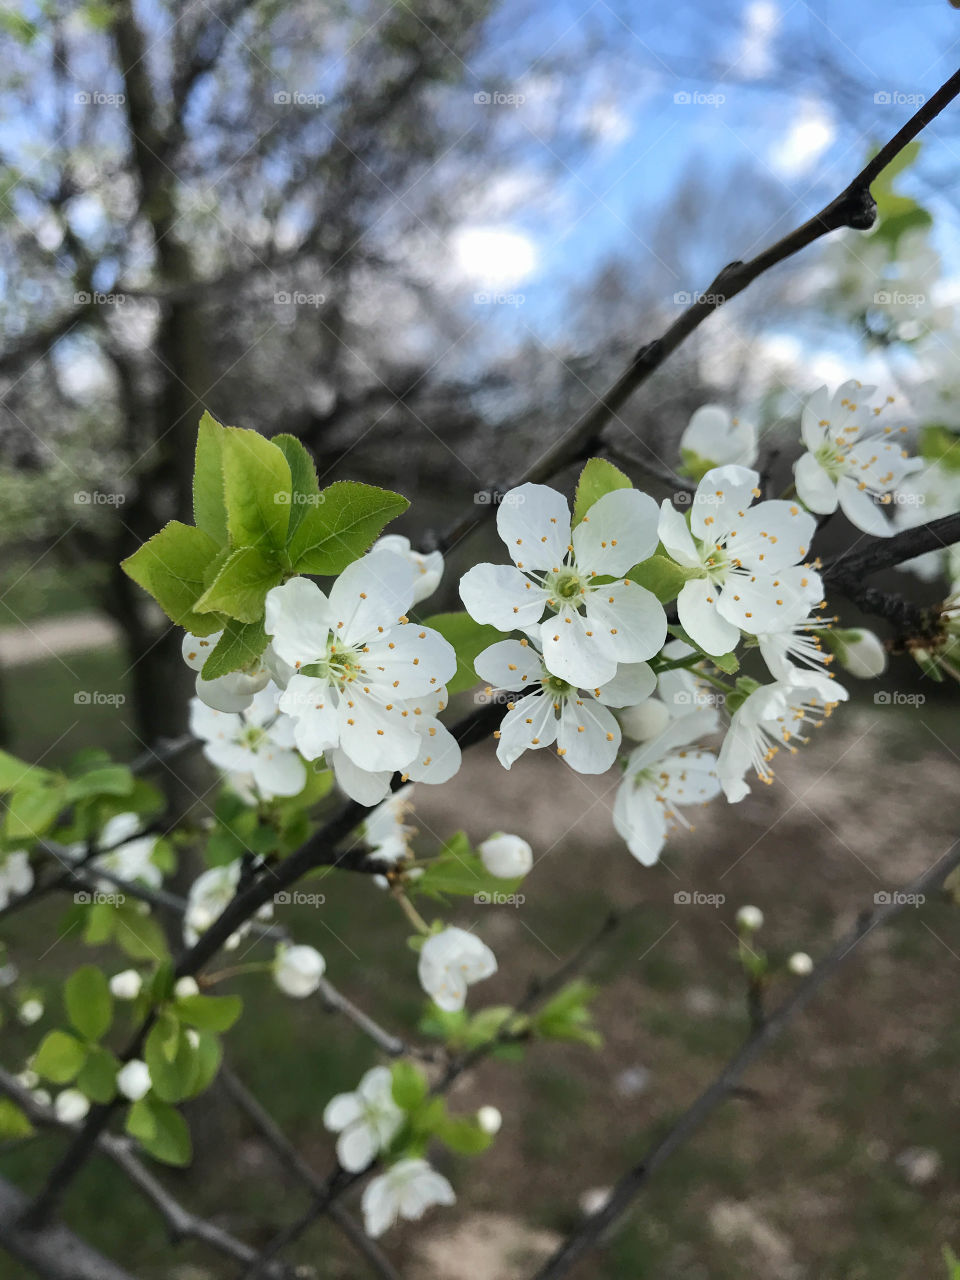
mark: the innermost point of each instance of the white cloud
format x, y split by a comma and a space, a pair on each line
496, 257
754, 59
808, 137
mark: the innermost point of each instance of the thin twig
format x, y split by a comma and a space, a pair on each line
632, 1183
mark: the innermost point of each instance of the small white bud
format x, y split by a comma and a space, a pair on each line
489, 1119
644, 721
71, 1106
800, 964
297, 970
750, 918
126, 985
193, 1038
506, 856
41, 1097
29, 1079
30, 1011
184, 987
133, 1079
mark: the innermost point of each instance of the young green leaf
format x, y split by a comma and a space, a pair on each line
98, 1076
240, 587
59, 1057
13, 1122
239, 645
305, 492
161, 1130
31, 811
257, 486
209, 1013
661, 575
338, 530
89, 1002
463, 1135
597, 478
409, 1085
468, 638
171, 567
209, 505
14, 772
110, 780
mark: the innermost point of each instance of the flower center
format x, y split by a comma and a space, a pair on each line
342, 663
566, 585
556, 687
253, 737
832, 458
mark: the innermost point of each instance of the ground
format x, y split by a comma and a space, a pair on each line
839, 1163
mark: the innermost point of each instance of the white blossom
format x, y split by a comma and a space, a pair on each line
489, 1119
427, 566
132, 858
750, 918
70, 1106
368, 684
133, 1079
185, 987
234, 691
715, 438
927, 495
257, 742
745, 560
506, 856
859, 651
385, 829
16, 876
367, 1120
847, 461
126, 985
578, 721
772, 716
406, 1190
450, 962
661, 775
297, 970
592, 626
800, 963
211, 892
30, 1011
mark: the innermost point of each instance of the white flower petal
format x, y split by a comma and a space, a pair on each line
631, 621
297, 618
574, 649
534, 522
618, 531
588, 736
362, 785
770, 603
721, 495
502, 596
772, 535
815, 489
341, 1110
531, 725
640, 820
439, 756
699, 617
357, 1146
375, 591
676, 536
861, 510
633, 683
509, 664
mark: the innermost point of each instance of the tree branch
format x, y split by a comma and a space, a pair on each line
632, 1183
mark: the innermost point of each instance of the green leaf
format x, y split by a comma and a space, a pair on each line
210, 1013
110, 780
161, 1130
726, 662
457, 869
13, 1122
305, 492
469, 638
172, 1076
99, 925
98, 1077
347, 519
31, 812
597, 478
937, 444
257, 486
209, 505
240, 644
14, 772
463, 1135
59, 1057
170, 567
567, 1016
139, 936
209, 1055
89, 1002
663, 576
409, 1085
241, 585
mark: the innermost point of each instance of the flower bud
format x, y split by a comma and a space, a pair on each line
126, 985
800, 964
297, 970
186, 987
70, 1106
506, 856
750, 918
489, 1119
858, 651
133, 1079
645, 720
